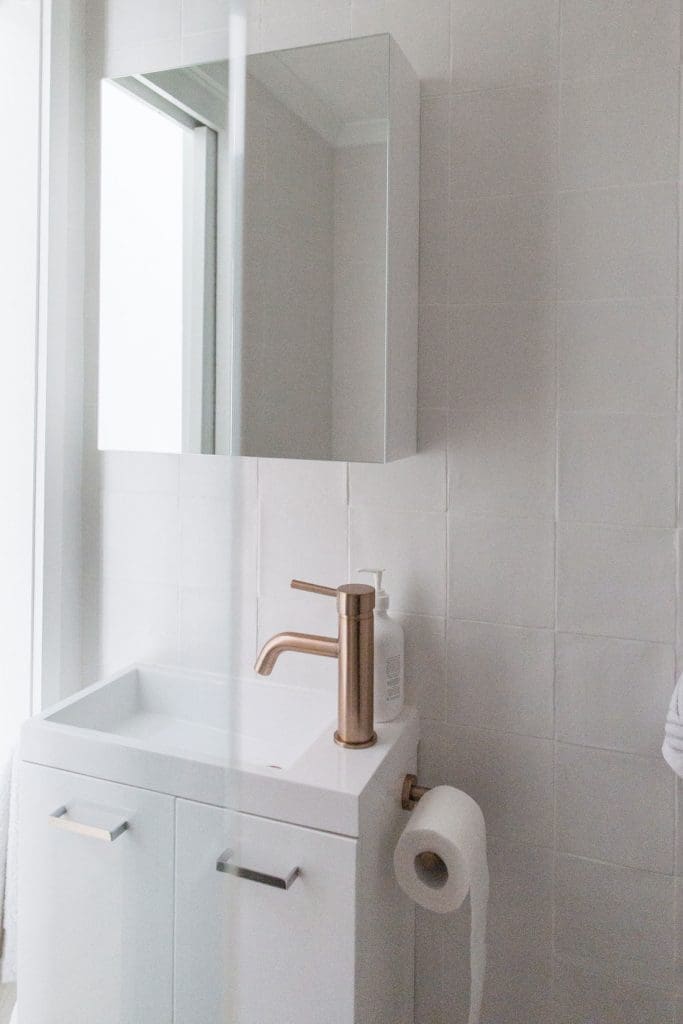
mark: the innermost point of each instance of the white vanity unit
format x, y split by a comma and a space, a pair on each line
199, 850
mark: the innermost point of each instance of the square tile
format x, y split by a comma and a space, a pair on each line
521, 895
126, 621
617, 917
140, 537
501, 460
615, 581
615, 807
613, 693
618, 243
381, 537
218, 630
500, 677
503, 354
509, 776
619, 131
496, 44
416, 482
617, 469
582, 993
420, 27
502, 571
127, 21
621, 35
433, 332
218, 545
504, 141
618, 357
503, 249
425, 664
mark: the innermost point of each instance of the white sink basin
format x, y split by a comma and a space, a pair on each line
255, 746
255, 724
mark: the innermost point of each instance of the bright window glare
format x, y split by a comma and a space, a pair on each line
141, 276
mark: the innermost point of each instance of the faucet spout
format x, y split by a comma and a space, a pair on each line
300, 643
354, 649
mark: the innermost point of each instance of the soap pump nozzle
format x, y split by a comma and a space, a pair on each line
381, 596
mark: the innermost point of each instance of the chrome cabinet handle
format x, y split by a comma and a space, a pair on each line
223, 864
60, 820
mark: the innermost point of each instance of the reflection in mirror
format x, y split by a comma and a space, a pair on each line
311, 377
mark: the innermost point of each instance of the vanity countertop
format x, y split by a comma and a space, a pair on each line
257, 747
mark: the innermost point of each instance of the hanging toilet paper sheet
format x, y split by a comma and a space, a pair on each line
439, 859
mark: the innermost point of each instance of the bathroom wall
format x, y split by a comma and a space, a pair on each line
532, 546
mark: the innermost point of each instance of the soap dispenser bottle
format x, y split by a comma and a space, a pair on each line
389, 656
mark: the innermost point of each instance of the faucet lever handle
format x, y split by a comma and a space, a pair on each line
313, 588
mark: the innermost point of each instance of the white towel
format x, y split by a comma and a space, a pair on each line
672, 748
9, 834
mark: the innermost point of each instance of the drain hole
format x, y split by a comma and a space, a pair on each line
278, 766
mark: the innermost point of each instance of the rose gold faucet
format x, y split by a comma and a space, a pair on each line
354, 648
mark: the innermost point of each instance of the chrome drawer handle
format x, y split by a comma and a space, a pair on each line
223, 864
59, 820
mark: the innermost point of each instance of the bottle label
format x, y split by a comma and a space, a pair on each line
393, 668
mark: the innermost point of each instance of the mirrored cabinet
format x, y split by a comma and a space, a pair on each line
314, 356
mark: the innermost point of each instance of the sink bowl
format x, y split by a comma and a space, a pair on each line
264, 748
203, 717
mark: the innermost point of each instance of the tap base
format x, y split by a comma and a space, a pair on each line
355, 746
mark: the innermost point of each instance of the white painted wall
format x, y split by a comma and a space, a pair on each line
532, 545
20, 47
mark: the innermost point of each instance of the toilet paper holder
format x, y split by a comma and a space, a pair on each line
411, 792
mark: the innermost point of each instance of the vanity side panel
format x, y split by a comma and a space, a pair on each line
402, 256
385, 926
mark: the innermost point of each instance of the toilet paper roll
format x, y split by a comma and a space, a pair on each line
439, 859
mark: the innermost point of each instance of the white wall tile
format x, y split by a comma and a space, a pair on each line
620, 130
618, 243
501, 677
129, 23
612, 693
503, 249
504, 141
204, 16
617, 469
501, 571
503, 354
127, 621
509, 776
138, 471
381, 537
582, 994
425, 664
618, 357
432, 382
417, 482
324, 22
615, 581
217, 630
434, 198
501, 460
497, 44
140, 538
619, 918
598, 38
521, 893
518, 985
218, 544
615, 807
420, 27
303, 613
303, 524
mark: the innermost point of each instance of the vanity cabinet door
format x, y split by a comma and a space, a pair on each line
95, 901
248, 952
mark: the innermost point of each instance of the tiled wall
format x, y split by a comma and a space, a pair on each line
532, 545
